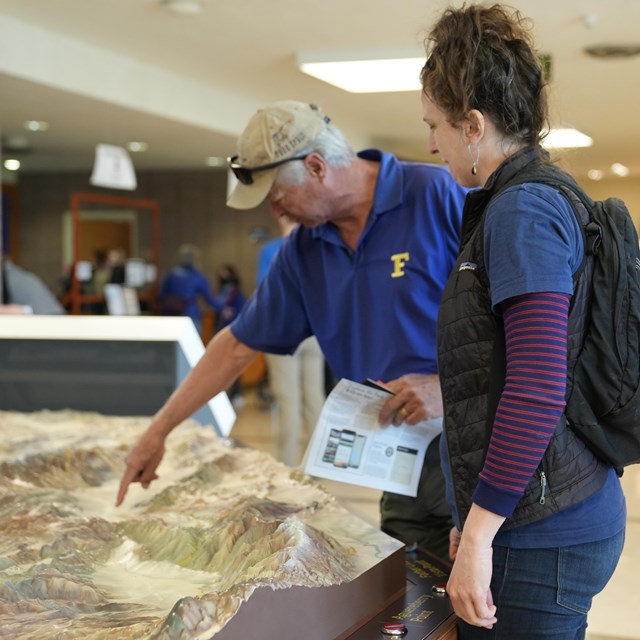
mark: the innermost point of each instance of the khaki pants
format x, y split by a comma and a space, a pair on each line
297, 384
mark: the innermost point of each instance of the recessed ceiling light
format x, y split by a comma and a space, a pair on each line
215, 161
36, 125
595, 174
11, 164
184, 7
620, 169
137, 147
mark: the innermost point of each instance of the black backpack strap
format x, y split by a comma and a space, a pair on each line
581, 203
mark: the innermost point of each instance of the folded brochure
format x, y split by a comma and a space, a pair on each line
349, 445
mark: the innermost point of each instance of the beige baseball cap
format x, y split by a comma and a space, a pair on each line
274, 135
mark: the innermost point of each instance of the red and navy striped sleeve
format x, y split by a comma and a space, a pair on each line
532, 400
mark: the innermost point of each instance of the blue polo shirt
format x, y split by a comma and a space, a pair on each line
373, 310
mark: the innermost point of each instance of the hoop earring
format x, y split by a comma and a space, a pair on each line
474, 164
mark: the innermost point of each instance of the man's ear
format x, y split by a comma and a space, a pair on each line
474, 126
316, 165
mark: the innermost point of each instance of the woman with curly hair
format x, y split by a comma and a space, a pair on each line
539, 518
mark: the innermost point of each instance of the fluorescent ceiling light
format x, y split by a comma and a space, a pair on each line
566, 138
184, 7
137, 147
372, 71
36, 125
216, 161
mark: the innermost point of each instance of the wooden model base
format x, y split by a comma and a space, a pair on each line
398, 589
427, 615
318, 613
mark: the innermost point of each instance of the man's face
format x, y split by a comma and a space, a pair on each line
302, 202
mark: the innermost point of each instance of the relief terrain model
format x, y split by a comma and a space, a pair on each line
176, 561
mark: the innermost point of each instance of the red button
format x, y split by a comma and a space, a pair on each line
439, 588
394, 629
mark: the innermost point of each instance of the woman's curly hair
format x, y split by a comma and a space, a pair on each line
483, 57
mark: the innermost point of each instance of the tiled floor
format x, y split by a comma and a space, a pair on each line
615, 612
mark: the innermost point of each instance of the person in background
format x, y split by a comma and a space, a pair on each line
540, 520
115, 266
24, 292
100, 277
229, 297
184, 286
297, 381
230, 300
363, 271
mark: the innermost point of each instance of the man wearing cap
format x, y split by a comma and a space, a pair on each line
363, 272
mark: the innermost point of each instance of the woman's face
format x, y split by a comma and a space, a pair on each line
449, 142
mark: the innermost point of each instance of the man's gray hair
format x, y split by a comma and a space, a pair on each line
331, 144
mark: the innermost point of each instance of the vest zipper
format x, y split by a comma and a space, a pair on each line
543, 487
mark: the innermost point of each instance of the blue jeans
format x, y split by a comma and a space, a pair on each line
546, 593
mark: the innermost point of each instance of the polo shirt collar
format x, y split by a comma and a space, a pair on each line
388, 192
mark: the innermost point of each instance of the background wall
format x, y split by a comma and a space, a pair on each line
192, 209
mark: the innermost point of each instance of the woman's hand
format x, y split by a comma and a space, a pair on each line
454, 542
469, 585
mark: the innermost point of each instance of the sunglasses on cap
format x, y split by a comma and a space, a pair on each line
245, 174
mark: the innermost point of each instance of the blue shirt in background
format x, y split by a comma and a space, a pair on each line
266, 256
188, 284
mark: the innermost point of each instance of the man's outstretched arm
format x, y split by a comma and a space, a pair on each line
223, 361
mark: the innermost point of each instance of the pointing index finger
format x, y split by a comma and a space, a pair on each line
128, 477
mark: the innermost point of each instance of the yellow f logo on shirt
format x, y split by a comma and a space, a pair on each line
399, 260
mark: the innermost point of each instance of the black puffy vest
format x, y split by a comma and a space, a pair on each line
471, 362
